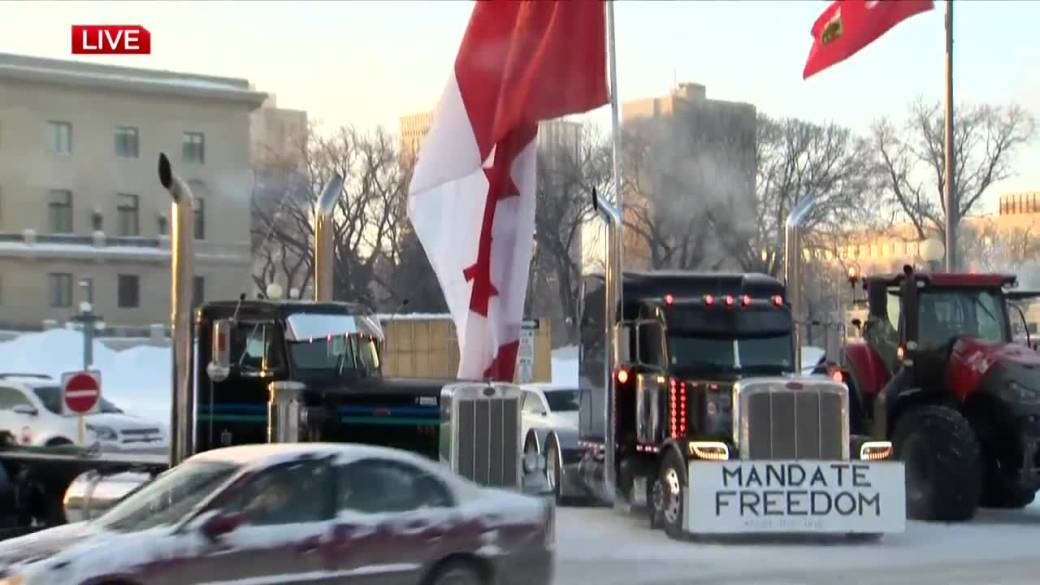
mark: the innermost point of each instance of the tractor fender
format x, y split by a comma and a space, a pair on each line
891, 405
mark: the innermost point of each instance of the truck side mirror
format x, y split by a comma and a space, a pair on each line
219, 367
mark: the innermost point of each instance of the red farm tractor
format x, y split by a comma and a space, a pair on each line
937, 372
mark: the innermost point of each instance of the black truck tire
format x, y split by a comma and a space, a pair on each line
673, 493
941, 455
553, 471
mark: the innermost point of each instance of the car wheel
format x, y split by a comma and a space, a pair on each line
673, 492
457, 573
941, 455
58, 442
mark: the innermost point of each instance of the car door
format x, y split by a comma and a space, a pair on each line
394, 521
285, 532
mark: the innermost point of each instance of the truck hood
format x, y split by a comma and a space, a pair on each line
971, 359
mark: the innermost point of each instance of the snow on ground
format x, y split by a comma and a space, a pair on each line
136, 380
607, 547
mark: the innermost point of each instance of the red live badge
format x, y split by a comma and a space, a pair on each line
111, 39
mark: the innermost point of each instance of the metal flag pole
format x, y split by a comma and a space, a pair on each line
616, 246
949, 194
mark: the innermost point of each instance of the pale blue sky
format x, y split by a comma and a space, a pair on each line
367, 63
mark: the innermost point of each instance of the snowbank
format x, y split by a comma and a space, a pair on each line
137, 380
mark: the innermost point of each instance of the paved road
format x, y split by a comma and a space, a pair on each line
603, 547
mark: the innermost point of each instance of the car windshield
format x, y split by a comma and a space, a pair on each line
563, 400
946, 314
725, 354
169, 498
50, 396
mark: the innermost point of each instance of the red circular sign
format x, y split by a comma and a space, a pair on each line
82, 393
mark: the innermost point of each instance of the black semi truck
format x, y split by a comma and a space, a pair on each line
693, 405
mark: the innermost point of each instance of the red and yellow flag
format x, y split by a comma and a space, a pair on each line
849, 25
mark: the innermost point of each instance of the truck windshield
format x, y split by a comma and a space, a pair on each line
946, 314
335, 353
726, 354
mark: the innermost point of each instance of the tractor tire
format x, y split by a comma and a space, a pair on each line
941, 455
1001, 491
673, 494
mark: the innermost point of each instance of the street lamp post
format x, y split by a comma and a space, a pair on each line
89, 322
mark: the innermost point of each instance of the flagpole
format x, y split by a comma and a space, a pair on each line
949, 194
615, 117
615, 251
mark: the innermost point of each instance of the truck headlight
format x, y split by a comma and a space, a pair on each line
875, 451
709, 450
1023, 394
101, 432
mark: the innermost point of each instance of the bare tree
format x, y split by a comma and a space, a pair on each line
567, 175
367, 220
913, 165
796, 159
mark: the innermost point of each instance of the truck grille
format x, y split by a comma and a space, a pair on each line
485, 433
787, 419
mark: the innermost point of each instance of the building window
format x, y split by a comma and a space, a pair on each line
161, 224
60, 211
126, 142
59, 287
193, 149
129, 291
198, 291
127, 209
200, 219
61, 137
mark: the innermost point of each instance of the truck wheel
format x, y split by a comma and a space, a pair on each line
673, 492
940, 452
553, 473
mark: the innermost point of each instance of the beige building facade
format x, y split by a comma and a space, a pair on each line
80, 200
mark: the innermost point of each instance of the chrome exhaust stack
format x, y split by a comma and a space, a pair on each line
793, 270
182, 275
612, 274
324, 240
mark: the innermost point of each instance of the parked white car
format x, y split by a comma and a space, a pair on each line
30, 409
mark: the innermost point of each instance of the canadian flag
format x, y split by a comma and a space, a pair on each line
472, 197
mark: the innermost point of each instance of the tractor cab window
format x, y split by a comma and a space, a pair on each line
947, 314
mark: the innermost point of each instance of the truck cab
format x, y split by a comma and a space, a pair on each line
704, 390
